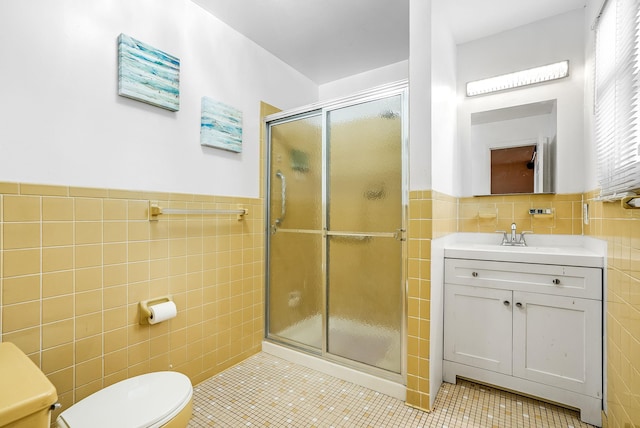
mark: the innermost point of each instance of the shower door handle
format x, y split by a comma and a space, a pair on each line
283, 208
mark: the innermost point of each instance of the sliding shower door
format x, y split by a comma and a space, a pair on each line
365, 228
296, 279
336, 230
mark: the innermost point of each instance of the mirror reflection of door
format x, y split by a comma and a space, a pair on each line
512, 170
513, 127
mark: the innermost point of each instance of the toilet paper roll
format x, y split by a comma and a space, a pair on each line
162, 312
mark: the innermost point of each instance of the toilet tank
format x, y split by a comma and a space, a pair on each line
26, 395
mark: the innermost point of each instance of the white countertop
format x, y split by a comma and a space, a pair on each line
570, 250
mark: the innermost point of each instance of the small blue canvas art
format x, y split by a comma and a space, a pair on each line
220, 126
147, 74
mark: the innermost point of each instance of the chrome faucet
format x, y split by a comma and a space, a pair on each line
513, 240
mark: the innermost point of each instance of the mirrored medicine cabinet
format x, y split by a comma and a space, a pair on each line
513, 149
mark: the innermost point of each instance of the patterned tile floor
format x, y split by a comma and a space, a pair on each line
266, 391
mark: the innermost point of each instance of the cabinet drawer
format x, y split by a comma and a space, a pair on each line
537, 278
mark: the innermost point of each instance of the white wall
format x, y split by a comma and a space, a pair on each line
444, 104
432, 115
543, 42
363, 81
420, 94
63, 122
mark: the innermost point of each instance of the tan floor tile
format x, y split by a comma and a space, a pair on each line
266, 391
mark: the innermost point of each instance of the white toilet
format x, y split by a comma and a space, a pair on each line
152, 400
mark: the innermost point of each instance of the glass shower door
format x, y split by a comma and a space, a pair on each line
336, 217
296, 281
365, 233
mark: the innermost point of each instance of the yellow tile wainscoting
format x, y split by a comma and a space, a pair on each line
431, 215
76, 262
621, 229
490, 213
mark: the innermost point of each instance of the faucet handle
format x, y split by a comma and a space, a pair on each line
521, 240
505, 237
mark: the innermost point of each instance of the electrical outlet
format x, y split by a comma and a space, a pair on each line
534, 211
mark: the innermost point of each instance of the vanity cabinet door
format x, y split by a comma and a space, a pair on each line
477, 327
558, 341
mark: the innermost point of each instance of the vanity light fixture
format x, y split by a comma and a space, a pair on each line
517, 79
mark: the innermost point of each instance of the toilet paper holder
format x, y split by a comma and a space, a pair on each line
145, 312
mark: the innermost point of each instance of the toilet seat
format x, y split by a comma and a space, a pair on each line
146, 401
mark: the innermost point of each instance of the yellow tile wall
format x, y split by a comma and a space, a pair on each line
490, 213
76, 262
431, 215
621, 229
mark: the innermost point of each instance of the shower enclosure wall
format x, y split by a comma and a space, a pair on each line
336, 222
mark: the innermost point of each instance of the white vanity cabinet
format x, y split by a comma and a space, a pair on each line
532, 328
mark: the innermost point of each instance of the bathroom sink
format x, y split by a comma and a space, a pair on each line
556, 251
509, 248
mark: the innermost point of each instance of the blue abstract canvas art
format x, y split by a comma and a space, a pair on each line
147, 74
220, 126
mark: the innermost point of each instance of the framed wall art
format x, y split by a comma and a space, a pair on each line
220, 125
148, 74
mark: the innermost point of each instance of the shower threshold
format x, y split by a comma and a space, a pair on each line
383, 386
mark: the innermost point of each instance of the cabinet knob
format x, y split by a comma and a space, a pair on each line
506, 303
556, 281
519, 304
474, 274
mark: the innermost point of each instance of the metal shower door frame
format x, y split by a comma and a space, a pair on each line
387, 91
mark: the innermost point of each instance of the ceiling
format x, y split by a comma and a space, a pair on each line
330, 39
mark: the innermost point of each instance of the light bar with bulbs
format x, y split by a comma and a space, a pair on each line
517, 79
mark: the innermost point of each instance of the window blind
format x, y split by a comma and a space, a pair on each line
617, 91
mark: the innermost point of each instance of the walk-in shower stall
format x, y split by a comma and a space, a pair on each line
336, 230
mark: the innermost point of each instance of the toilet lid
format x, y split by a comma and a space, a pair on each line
145, 401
